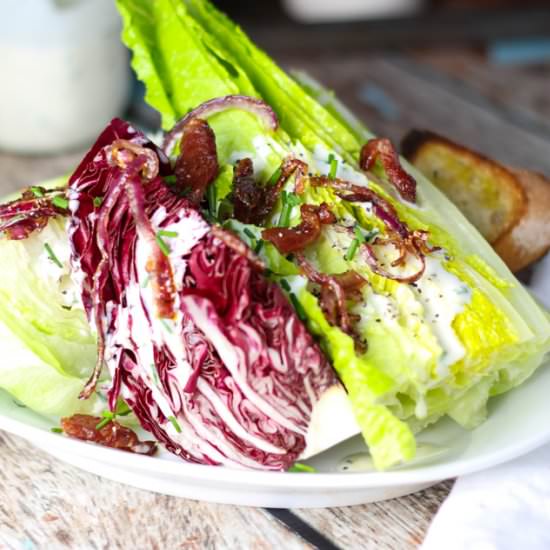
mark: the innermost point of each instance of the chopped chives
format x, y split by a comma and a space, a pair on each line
98, 201
259, 245
249, 234
175, 423
170, 180
298, 307
166, 326
352, 250
37, 191
56, 430
289, 200
52, 256
108, 417
275, 176
212, 199
60, 202
162, 245
164, 233
285, 285
298, 467
333, 167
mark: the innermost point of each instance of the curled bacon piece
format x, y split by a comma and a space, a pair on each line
382, 148
252, 202
31, 212
356, 193
114, 435
233, 242
400, 236
334, 291
297, 238
197, 165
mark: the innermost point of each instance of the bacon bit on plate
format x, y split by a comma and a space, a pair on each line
32, 211
293, 239
113, 434
197, 165
253, 202
382, 148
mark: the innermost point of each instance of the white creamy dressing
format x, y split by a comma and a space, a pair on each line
443, 296
362, 462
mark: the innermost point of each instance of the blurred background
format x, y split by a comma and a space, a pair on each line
477, 71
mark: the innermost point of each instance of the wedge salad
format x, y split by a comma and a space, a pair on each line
267, 282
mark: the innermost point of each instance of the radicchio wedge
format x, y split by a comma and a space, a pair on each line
232, 376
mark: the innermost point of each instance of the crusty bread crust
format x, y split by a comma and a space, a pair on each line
522, 235
488, 194
529, 239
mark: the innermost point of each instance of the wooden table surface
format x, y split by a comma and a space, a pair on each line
503, 111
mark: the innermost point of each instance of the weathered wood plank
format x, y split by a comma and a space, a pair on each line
394, 524
48, 504
519, 91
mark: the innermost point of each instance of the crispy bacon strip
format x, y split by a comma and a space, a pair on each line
114, 435
197, 166
29, 213
382, 148
335, 290
357, 193
252, 202
297, 238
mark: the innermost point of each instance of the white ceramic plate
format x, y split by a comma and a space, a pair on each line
518, 423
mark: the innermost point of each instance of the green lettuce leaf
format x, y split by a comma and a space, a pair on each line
49, 347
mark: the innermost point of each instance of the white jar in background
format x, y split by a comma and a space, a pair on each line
63, 73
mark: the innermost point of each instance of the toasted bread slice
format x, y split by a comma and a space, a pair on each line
488, 194
529, 239
510, 207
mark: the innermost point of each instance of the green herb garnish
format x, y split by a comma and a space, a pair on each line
60, 202
258, 247
98, 201
359, 240
300, 311
212, 195
37, 191
165, 249
175, 423
170, 234
275, 176
170, 180
52, 256
121, 409
108, 417
57, 430
249, 234
166, 325
298, 467
333, 166
289, 200
285, 285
